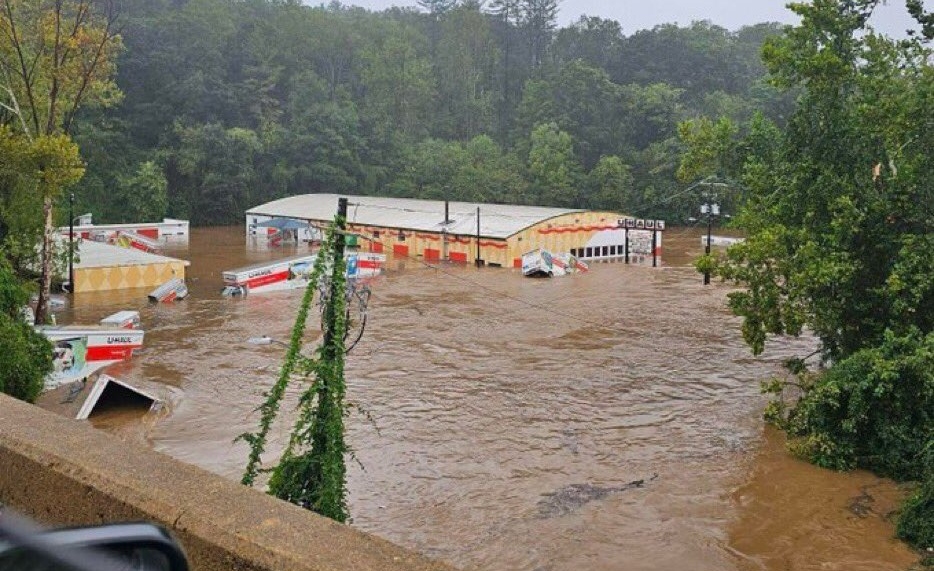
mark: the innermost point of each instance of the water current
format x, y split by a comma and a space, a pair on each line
602, 421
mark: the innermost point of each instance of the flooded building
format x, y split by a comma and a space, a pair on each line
103, 267
435, 230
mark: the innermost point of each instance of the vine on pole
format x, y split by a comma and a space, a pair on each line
270, 408
312, 471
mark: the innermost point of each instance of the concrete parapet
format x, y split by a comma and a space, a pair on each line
62, 472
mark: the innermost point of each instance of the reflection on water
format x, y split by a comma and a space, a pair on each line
514, 417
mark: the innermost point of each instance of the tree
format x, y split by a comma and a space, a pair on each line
212, 176
841, 209
539, 18
841, 243
55, 57
465, 64
611, 185
321, 149
595, 41
143, 195
554, 172
709, 148
312, 472
20, 207
582, 101
650, 113
490, 174
699, 58
509, 13
26, 357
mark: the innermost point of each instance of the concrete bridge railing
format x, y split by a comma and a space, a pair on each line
63, 472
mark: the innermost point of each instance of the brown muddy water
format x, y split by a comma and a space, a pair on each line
602, 421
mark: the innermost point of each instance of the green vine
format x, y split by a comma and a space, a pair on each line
312, 470
270, 408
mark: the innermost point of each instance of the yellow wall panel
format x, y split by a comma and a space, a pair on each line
126, 277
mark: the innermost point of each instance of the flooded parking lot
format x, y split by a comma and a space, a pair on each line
601, 421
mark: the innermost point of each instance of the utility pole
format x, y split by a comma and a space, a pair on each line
478, 261
330, 315
711, 209
654, 248
71, 243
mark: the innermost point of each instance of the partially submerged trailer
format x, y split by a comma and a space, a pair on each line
126, 239
293, 273
169, 230
542, 263
172, 290
122, 320
108, 392
80, 351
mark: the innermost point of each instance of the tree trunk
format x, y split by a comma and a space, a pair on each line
45, 282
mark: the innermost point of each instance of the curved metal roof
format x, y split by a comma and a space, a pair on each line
496, 220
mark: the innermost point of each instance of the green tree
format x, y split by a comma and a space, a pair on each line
611, 185
465, 65
554, 173
20, 206
651, 113
490, 174
512, 75
841, 244
211, 176
26, 358
400, 87
582, 101
55, 57
312, 472
595, 41
539, 18
322, 147
842, 209
143, 195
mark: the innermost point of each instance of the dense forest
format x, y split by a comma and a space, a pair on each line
227, 104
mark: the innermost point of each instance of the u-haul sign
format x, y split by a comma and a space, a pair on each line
641, 224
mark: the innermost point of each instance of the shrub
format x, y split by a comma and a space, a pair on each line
25, 355
873, 410
916, 522
25, 359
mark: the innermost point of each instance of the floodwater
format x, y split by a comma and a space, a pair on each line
601, 421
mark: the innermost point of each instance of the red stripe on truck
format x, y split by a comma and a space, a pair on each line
110, 352
268, 279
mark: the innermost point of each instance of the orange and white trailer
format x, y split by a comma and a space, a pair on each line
294, 273
80, 351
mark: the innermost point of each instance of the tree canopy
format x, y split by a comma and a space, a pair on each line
838, 207
241, 102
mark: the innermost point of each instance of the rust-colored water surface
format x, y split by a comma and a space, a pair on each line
602, 421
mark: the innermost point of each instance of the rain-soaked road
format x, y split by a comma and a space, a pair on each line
602, 421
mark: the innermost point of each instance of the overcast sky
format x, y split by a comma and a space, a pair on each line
640, 14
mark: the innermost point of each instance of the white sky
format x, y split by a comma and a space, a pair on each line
640, 14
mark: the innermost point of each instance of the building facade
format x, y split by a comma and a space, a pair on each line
495, 234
